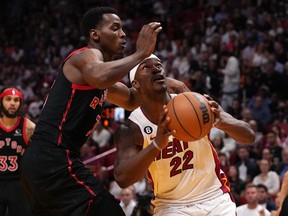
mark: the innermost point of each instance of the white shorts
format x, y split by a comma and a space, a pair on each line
220, 206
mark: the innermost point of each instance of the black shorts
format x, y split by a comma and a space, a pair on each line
57, 183
12, 198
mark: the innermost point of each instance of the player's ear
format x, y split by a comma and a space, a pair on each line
135, 84
94, 34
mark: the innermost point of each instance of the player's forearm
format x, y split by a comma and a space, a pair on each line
122, 96
129, 171
238, 130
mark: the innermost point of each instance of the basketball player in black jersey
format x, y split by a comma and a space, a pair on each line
55, 179
15, 133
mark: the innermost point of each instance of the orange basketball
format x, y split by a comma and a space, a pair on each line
190, 115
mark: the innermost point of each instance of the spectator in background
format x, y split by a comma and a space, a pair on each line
265, 198
231, 79
237, 184
247, 167
246, 114
273, 144
260, 111
218, 144
280, 133
35, 107
210, 28
256, 147
267, 155
128, 202
224, 162
26, 89
282, 167
269, 178
252, 207
235, 108
101, 138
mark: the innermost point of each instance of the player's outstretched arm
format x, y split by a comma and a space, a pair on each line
127, 98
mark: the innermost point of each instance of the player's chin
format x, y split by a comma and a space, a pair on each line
119, 54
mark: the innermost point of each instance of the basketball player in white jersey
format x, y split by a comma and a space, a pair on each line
185, 176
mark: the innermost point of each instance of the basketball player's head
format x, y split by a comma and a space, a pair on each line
93, 18
10, 102
148, 72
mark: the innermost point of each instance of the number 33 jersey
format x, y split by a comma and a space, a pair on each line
13, 142
183, 173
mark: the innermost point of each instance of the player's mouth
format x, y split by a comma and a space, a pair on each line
123, 44
159, 78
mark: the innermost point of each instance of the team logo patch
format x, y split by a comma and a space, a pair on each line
18, 132
148, 130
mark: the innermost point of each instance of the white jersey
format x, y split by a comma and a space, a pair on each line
184, 173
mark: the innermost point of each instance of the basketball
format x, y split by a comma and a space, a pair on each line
191, 116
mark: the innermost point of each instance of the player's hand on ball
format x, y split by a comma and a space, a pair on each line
215, 107
163, 132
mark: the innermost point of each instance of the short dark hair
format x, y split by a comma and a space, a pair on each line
93, 17
263, 187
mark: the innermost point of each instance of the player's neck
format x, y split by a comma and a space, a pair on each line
153, 108
8, 122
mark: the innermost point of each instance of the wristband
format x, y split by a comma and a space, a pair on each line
216, 122
156, 145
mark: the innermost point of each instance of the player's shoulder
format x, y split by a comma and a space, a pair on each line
128, 130
29, 123
85, 54
128, 127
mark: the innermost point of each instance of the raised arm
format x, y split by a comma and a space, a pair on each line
127, 98
122, 96
95, 66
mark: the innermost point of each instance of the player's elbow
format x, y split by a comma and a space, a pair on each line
248, 138
121, 180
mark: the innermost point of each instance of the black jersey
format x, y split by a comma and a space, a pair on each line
13, 142
70, 114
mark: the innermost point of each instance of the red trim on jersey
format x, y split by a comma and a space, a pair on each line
10, 129
149, 176
88, 208
75, 51
221, 176
65, 115
24, 131
73, 175
80, 87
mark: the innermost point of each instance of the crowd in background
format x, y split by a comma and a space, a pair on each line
235, 51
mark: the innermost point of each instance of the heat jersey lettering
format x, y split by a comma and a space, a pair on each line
172, 149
